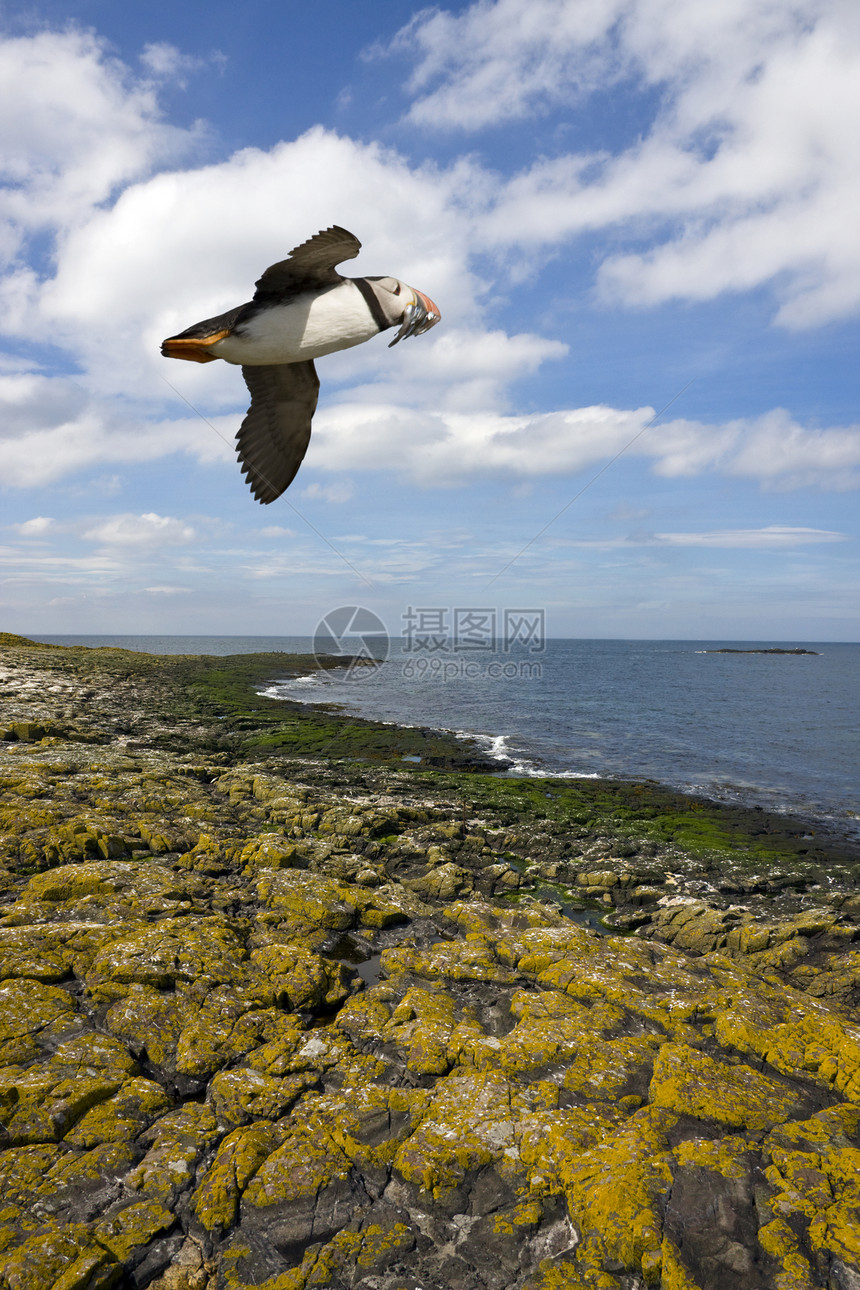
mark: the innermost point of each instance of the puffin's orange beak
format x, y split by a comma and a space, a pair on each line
433, 312
418, 317
195, 349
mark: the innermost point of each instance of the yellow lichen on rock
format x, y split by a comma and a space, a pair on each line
552, 1141
52, 951
689, 1082
298, 978
149, 1021
613, 1189
604, 1068
365, 1015
725, 1156
32, 1013
613, 971
565, 1275
306, 1162
469, 1124
270, 851
173, 952
278, 1055
469, 960
369, 1248
209, 1041
422, 1024
176, 1143
795, 1271
41, 1105
216, 1199
206, 1083
673, 1275
62, 1260
307, 902
132, 1227
120, 1118
243, 1095
791, 1032
815, 1172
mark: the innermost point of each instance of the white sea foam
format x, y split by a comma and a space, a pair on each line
498, 747
295, 687
540, 773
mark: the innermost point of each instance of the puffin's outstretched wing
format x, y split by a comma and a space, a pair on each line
274, 437
310, 265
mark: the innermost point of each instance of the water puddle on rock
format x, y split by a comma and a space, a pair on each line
356, 953
369, 970
576, 913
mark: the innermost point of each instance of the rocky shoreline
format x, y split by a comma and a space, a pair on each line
280, 1008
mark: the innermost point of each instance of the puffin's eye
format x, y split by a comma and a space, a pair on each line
397, 289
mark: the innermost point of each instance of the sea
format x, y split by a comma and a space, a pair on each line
780, 731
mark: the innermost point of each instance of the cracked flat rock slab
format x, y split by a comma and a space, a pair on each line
522, 1104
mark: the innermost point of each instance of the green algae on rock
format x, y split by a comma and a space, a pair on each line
280, 1012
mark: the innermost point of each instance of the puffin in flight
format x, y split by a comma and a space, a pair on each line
302, 308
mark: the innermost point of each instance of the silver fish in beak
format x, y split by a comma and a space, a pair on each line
419, 317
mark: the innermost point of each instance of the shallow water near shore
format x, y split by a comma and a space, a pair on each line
779, 731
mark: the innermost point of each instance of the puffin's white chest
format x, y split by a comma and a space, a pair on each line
306, 327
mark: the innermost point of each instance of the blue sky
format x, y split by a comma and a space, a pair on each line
619, 205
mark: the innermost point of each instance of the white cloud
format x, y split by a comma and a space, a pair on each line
138, 255
52, 567
30, 401
772, 449
153, 261
74, 125
42, 457
146, 530
450, 448
466, 369
51, 427
35, 527
505, 60
453, 448
781, 452
18, 366
773, 537
165, 61
744, 176
336, 493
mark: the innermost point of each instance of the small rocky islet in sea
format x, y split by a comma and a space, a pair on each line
773, 649
280, 1009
